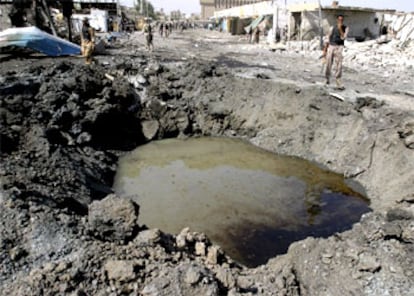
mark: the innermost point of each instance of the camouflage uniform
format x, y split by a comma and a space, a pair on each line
88, 42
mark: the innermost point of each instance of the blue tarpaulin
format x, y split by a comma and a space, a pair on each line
37, 40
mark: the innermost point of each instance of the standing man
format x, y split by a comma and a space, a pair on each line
148, 34
161, 29
256, 35
337, 35
88, 41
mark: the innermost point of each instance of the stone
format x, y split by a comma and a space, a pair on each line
62, 266
150, 129
213, 254
150, 290
244, 282
17, 253
368, 263
181, 239
408, 233
192, 276
409, 142
219, 110
399, 214
226, 278
148, 237
113, 219
83, 138
391, 230
118, 270
182, 122
200, 249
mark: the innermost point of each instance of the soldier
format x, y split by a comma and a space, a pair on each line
161, 29
167, 29
88, 41
256, 35
148, 34
337, 35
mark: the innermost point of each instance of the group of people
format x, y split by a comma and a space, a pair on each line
165, 29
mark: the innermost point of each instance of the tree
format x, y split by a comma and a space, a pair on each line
145, 7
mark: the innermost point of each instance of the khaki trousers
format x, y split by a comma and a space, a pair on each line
87, 48
334, 56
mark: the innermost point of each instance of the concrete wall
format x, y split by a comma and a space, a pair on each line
360, 23
4, 16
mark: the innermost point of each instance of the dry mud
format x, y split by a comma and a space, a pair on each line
64, 125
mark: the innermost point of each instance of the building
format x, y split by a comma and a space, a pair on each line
209, 7
176, 15
112, 6
309, 20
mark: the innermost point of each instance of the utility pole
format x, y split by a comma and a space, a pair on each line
141, 9
320, 25
275, 20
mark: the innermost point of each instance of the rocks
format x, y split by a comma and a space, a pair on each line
368, 263
225, 276
219, 110
118, 270
137, 81
200, 249
213, 255
192, 275
409, 141
150, 128
181, 239
113, 219
148, 237
395, 214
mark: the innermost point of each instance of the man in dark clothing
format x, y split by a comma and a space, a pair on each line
148, 35
161, 29
336, 38
167, 29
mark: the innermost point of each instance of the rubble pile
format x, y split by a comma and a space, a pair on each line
393, 56
402, 26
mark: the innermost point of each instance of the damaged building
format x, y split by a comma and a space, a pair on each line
306, 20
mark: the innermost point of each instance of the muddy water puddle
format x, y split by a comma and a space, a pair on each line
251, 202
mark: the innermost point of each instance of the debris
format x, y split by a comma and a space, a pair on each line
113, 218
109, 77
192, 276
37, 40
119, 270
337, 96
409, 142
150, 129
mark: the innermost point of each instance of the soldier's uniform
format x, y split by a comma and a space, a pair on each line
337, 37
148, 36
88, 41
